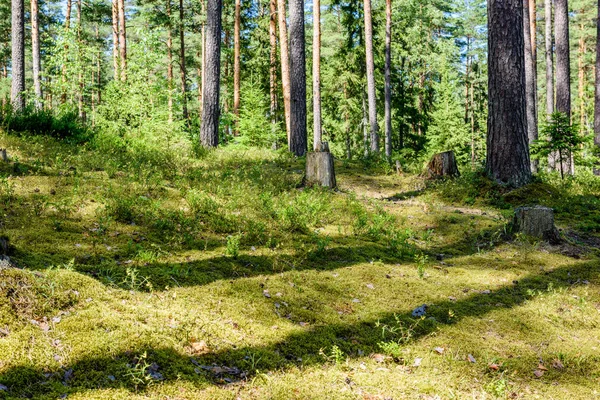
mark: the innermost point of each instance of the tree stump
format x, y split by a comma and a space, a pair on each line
320, 169
536, 222
443, 165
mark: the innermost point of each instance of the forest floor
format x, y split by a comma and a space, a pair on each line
147, 275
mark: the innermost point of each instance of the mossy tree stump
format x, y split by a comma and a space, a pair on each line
320, 169
536, 222
443, 165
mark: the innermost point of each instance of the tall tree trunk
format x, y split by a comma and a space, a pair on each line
549, 58
531, 89
298, 137
533, 29
285, 64
17, 95
273, 63
201, 73
581, 78
35, 47
507, 147
372, 95
123, 40
115, 37
182, 62
318, 130
236, 64
563, 68
597, 93
63, 96
80, 99
209, 135
388, 79
473, 143
170, 61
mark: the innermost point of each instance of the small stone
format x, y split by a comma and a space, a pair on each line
471, 359
420, 311
3, 388
417, 362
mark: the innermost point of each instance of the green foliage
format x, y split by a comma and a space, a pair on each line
255, 128
63, 124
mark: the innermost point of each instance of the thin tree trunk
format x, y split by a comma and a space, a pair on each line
530, 90
63, 97
549, 59
318, 130
597, 92
533, 28
182, 62
371, 77
563, 67
17, 96
388, 79
507, 146
123, 40
581, 78
298, 137
35, 47
273, 63
80, 99
209, 135
236, 65
285, 65
365, 123
115, 37
473, 153
203, 57
170, 62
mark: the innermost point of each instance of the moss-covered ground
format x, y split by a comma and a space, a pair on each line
152, 275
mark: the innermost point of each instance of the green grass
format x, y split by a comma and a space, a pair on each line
146, 273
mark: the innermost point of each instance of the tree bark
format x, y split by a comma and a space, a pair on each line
549, 59
123, 40
508, 159
17, 96
35, 47
317, 128
273, 62
115, 37
388, 79
298, 137
169, 61
182, 62
236, 65
285, 65
531, 84
203, 57
209, 135
371, 77
581, 77
80, 99
597, 92
563, 67
63, 96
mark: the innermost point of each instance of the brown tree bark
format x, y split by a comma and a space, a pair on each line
597, 92
563, 68
298, 137
63, 97
182, 63
202, 58
549, 58
273, 62
115, 37
123, 40
317, 128
581, 77
530, 82
17, 95
372, 95
388, 79
285, 64
80, 95
236, 64
35, 47
170, 61
209, 134
508, 159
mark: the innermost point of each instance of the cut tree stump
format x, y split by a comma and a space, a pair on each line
536, 222
443, 165
320, 169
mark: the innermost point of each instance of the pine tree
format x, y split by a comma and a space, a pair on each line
209, 135
298, 134
17, 97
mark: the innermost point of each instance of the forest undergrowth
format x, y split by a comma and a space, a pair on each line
145, 272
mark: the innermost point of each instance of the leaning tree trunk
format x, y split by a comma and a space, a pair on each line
388, 79
508, 159
17, 96
318, 132
209, 135
371, 90
236, 64
298, 137
285, 65
530, 82
597, 97
563, 69
123, 40
182, 62
35, 47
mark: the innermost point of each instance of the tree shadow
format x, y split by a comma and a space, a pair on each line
298, 349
